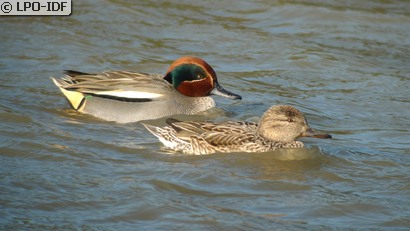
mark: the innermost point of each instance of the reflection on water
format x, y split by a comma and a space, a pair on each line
343, 63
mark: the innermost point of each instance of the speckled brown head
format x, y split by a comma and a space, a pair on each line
285, 123
194, 77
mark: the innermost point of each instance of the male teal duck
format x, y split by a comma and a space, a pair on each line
124, 96
279, 127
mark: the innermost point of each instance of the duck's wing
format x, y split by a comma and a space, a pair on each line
216, 134
199, 127
116, 84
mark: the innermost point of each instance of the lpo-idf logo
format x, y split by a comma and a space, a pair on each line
35, 7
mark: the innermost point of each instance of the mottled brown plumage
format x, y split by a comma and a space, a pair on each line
279, 127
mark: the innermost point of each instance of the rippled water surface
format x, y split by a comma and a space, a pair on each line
345, 64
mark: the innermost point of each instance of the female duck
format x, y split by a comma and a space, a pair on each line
124, 97
279, 127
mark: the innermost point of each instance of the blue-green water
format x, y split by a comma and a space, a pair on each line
345, 64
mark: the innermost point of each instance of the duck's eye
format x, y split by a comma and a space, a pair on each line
200, 77
290, 120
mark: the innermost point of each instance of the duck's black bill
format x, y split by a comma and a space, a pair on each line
219, 90
312, 133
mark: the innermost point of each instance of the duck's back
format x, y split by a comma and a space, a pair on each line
206, 138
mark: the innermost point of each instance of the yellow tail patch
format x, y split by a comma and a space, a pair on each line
75, 98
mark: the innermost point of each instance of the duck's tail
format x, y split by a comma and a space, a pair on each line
167, 136
75, 98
